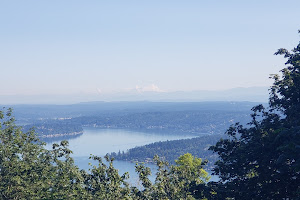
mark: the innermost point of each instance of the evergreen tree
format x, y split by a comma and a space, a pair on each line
262, 161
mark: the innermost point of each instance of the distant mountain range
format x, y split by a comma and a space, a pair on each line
253, 94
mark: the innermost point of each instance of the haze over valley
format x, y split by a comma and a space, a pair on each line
150, 100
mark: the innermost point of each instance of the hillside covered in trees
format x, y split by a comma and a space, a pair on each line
171, 150
55, 123
55, 130
186, 116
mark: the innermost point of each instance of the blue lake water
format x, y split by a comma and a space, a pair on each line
99, 142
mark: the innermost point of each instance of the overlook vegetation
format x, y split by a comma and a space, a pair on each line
263, 160
257, 161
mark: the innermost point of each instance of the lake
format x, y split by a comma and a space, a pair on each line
99, 142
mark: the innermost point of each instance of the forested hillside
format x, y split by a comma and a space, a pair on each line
196, 122
55, 130
61, 122
171, 150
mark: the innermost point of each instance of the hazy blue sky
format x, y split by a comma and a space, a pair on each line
72, 46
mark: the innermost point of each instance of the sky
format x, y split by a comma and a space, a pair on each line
101, 47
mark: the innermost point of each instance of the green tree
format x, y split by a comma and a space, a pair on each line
262, 160
104, 181
29, 171
173, 181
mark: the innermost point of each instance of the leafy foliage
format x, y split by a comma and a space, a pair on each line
28, 170
263, 160
173, 181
